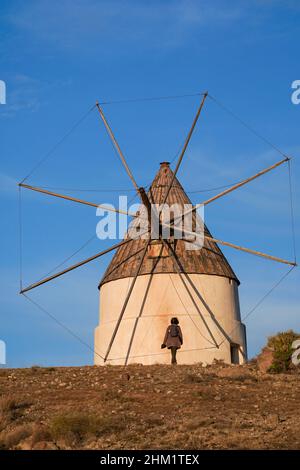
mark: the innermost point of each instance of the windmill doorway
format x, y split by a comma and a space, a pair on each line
235, 353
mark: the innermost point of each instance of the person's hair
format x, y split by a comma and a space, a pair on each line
174, 321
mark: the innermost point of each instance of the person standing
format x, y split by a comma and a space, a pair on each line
173, 339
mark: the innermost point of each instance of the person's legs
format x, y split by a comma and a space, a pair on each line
173, 353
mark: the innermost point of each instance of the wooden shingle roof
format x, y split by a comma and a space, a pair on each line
207, 260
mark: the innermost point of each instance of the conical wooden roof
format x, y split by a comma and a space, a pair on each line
207, 260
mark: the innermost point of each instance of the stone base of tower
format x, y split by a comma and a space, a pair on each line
211, 324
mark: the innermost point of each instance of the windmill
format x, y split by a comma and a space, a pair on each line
151, 278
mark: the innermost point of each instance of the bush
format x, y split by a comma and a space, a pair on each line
4, 421
8, 411
281, 344
74, 427
7, 404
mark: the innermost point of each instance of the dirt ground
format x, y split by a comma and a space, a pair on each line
149, 407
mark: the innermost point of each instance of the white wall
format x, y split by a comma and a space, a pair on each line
214, 319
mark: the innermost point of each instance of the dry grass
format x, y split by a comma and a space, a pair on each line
4, 421
7, 405
40, 433
74, 427
12, 438
10, 410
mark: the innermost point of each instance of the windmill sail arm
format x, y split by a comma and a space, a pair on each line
253, 252
117, 147
186, 143
73, 199
74, 266
231, 245
140, 191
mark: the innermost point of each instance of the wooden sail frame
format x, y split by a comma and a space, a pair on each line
74, 199
74, 266
186, 143
230, 245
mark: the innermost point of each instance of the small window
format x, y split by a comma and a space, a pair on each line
155, 250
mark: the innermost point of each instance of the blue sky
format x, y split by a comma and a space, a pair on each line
57, 59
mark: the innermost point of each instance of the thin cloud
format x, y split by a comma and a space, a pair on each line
8, 184
25, 93
71, 24
22, 94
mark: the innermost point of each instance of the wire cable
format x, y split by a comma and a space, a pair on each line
263, 298
154, 98
69, 257
91, 190
180, 351
213, 189
52, 150
268, 293
62, 325
241, 121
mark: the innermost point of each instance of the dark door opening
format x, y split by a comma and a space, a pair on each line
234, 353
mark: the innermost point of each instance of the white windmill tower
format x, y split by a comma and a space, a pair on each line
198, 286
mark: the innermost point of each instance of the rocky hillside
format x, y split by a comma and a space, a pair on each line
149, 407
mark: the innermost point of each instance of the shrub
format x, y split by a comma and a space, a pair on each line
7, 411
281, 344
10, 409
74, 427
4, 421
7, 405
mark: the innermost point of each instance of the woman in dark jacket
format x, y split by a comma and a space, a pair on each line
173, 339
